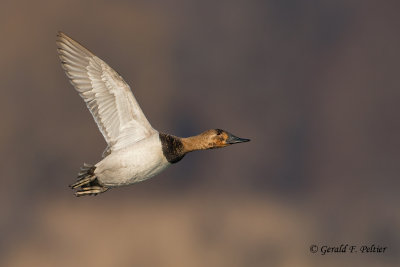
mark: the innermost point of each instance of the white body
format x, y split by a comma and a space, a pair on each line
133, 164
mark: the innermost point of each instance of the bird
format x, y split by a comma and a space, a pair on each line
135, 150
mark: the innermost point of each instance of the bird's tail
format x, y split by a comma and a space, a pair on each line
88, 182
85, 176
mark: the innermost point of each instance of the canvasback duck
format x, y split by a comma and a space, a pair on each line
135, 151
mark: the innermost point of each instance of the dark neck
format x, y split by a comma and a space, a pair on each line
172, 147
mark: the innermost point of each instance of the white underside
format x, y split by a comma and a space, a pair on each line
133, 164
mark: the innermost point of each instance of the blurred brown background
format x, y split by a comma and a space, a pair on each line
314, 84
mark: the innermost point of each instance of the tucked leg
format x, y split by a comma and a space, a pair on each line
91, 190
83, 181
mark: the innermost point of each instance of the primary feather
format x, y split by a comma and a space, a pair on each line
108, 97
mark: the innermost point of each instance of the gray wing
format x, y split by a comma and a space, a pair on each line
106, 94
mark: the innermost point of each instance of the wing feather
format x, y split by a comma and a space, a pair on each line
106, 94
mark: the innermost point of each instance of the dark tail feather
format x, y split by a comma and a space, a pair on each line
85, 176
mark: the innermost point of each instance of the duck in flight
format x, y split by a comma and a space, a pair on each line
135, 151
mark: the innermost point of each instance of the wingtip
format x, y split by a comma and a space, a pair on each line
60, 37
64, 39
60, 33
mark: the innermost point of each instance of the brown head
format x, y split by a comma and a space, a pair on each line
215, 138
175, 148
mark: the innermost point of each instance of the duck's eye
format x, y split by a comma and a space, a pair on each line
219, 131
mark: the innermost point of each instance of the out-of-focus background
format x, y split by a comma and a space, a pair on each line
313, 84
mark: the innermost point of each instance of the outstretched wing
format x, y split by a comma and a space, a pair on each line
108, 97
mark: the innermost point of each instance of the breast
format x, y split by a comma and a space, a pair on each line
172, 147
133, 164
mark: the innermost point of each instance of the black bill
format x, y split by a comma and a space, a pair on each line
235, 140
